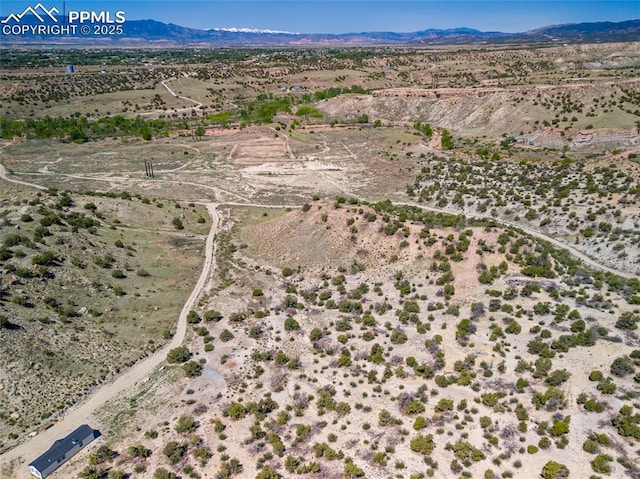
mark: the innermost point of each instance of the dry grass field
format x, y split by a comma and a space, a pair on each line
90, 284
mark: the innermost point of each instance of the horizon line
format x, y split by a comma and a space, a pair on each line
283, 32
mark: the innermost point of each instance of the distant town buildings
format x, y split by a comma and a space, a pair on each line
295, 88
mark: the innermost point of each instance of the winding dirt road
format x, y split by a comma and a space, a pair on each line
13, 463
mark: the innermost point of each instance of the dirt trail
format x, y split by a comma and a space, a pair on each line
3, 176
197, 103
114, 180
18, 457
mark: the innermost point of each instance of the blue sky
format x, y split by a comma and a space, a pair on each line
339, 16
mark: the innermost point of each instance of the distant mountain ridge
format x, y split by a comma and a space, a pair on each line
138, 32
249, 30
600, 31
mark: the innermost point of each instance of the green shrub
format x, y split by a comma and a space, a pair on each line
596, 375
419, 423
291, 324
413, 407
444, 405
192, 369
590, 446
398, 337
180, 354
139, 451
174, 451
423, 444
267, 473
177, 223
186, 423
554, 470
559, 428
47, 258
226, 336
628, 320
622, 366
351, 470
601, 463
212, 315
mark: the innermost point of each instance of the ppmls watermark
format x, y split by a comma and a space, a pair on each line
42, 21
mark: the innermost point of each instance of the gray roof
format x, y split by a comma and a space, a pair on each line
63, 449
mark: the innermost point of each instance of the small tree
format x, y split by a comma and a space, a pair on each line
212, 315
180, 354
174, 451
423, 444
419, 423
446, 140
554, 470
193, 317
291, 324
267, 473
186, 423
601, 463
226, 336
236, 410
286, 272
351, 471
229, 468
622, 366
103, 454
177, 223
91, 472
162, 473
628, 320
192, 369
139, 451
560, 428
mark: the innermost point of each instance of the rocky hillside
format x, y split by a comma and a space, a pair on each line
496, 111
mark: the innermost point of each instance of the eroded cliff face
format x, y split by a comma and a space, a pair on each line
512, 111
